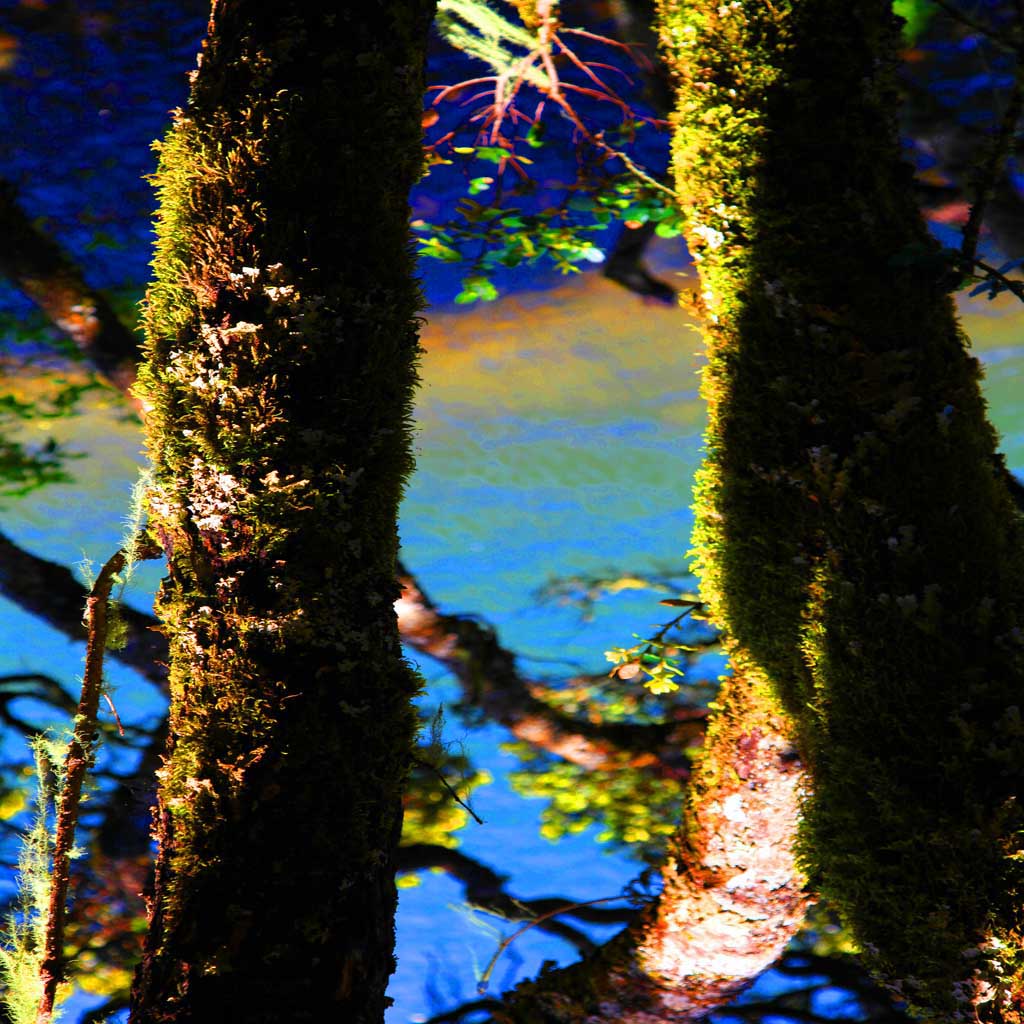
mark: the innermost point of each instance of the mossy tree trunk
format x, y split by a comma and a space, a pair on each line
281, 343
732, 893
855, 533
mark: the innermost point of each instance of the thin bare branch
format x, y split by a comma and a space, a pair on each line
452, 791
79, 759
484, 890
1012, 286
992, 169
975, 25
536, 922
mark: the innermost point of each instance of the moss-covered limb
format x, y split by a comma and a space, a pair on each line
77, 762
281, 341
855, 532
38, 267
490, 680
732, 897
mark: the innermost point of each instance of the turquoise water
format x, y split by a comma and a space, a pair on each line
556, 439
557, 434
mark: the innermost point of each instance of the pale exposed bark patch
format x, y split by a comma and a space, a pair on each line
733, 891
733, 902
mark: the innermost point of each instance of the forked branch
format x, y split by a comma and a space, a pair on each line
79, 759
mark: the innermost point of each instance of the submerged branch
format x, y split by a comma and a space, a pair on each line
490, 680
40, 269
485, 669
51, 592
455, 1015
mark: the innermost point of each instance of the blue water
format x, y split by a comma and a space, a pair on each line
558, 432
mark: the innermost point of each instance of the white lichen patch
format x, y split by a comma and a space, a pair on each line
242, 328
213, 495
711, 237
732, 808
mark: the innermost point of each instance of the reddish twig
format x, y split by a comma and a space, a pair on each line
505, 87
444, 91
635, 50
587, 67
77, 762
113, 711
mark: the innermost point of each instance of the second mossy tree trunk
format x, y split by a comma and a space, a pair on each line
855, 535
281, 345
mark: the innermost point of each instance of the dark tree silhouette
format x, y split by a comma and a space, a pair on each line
281, 346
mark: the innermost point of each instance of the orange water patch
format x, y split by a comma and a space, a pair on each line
587, 349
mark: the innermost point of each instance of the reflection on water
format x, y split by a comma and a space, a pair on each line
557, 434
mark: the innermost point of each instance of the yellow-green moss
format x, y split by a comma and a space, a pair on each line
854, 532
281, 348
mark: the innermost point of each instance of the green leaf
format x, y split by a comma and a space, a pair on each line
636, 212
495, 154
915, 14
439, 251
476, 288
486, 291
470, 209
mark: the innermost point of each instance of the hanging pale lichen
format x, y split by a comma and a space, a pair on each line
854, 532
477, 29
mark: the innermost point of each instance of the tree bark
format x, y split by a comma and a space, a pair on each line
732, 897
281, 345
856, 536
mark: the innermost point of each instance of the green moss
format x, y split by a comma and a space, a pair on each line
854, 534
281, 356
